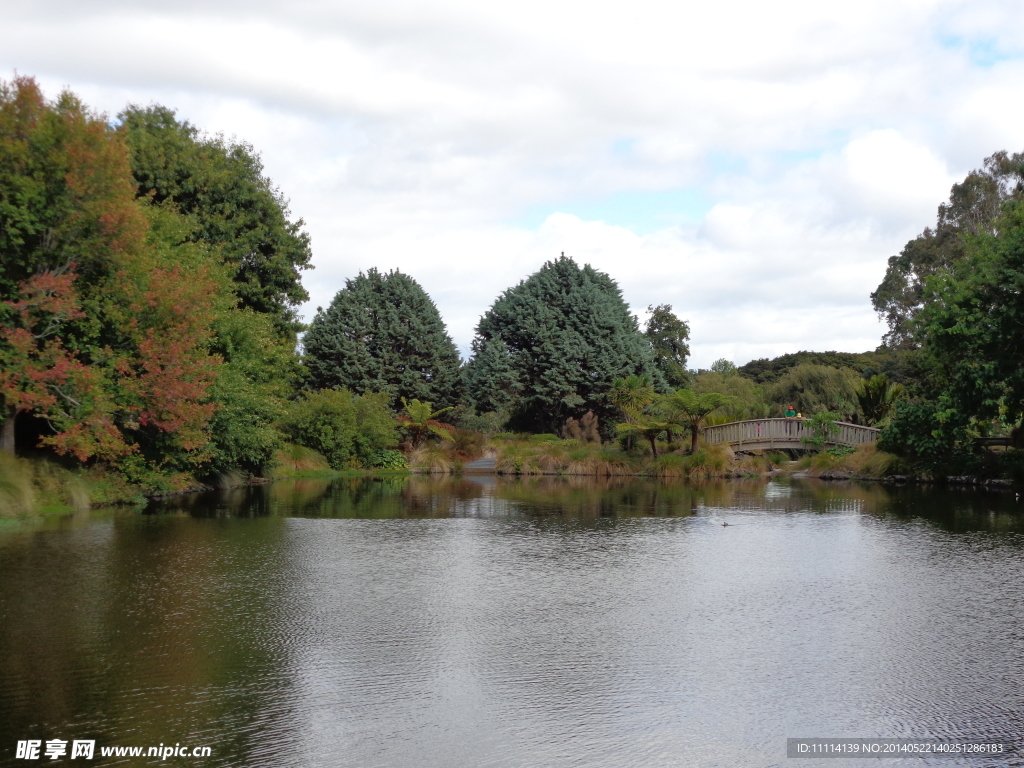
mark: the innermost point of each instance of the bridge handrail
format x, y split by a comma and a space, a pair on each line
784, 431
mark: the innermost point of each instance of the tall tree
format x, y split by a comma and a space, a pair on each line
972, 209
971, 326
567, 335
67, 221
669, 338
105, 332
382, 333
236, 208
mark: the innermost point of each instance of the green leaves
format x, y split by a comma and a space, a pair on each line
877, 397
823, 428
551, 347
347, 430
234, 207
420, 421
668, 337
382, 333
691, 409
631, 393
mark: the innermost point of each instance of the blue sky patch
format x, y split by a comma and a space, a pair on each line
643, 212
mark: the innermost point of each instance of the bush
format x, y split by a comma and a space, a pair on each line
925, 435
349, 431
390, 459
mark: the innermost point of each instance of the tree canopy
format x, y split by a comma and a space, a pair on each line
973, 207
235, 208
669, 339
105, 332
813, 388
971, 321
382, 333
555, 343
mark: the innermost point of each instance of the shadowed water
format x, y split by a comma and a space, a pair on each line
548, 622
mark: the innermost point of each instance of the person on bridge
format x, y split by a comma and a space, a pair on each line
790, 412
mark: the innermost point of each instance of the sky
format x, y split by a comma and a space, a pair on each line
752, 164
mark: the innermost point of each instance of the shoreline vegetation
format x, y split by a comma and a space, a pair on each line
150, 345
40, 487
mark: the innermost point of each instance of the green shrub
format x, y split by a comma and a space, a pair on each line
390, 459
544, 438
839, 451
348, 431
925, 435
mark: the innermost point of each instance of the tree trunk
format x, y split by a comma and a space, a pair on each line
7, 432
694, 434
654, 444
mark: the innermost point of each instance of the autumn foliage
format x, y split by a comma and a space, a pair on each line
104, 336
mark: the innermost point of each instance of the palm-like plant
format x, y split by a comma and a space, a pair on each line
420, 421
632, 394
690, 409
647, 424
877, 397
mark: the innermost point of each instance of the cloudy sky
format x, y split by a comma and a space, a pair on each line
753, 164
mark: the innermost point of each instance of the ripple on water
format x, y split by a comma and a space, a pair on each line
521, 624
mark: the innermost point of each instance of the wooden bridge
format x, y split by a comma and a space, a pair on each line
767, 434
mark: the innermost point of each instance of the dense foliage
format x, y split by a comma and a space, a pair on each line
350, 431
954, 297
382, 333
669, 339
550, 348
234, 207
106, 327
973, 208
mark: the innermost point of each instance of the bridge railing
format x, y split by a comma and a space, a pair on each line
784, 432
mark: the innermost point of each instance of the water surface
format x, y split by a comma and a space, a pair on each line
549, 622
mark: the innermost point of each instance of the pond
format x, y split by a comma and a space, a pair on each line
546, 622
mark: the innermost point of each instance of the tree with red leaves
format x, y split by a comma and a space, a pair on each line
106, 326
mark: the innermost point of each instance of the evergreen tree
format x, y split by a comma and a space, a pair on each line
566, 335
382, 333
492, 378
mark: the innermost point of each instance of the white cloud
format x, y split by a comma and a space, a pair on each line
416, 135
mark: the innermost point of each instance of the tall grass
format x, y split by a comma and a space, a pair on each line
573, 458
291, 459
434, 459
41, 487
866, 461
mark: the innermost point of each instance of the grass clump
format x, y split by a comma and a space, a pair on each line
292, 459
866, 461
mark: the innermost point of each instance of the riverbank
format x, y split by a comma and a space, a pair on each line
43, 487
867, 463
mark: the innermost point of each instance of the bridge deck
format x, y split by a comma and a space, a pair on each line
765, 434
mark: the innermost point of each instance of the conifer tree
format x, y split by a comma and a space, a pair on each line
382, 333
551, 347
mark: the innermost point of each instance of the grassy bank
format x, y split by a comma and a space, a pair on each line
40, 487
869, 463
864, 463
549, 455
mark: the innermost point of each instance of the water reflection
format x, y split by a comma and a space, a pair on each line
482, 621
957, 509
